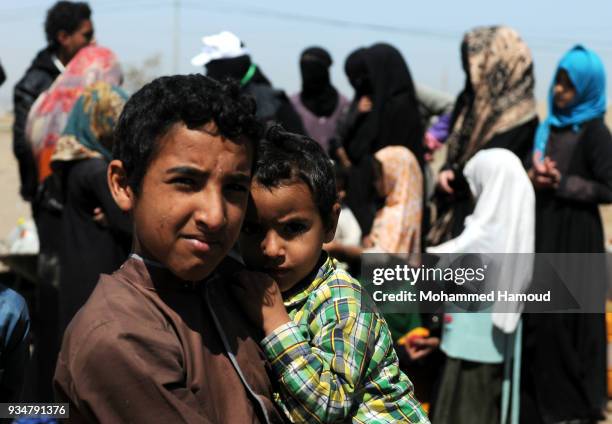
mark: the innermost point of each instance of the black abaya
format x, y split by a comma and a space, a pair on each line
564, 356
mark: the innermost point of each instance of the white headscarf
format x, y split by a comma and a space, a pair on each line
503, 222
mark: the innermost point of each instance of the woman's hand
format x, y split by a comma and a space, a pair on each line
444, 179
364, 105
544, 174
343, 158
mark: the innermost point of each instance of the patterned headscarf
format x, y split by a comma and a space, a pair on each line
90, 124
500, 86
48, 116
397, 226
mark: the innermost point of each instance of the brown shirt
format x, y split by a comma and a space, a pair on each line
148, 347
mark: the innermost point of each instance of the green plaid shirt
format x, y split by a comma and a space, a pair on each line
336, 362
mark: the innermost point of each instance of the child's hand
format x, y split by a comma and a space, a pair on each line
421, 347
261, 300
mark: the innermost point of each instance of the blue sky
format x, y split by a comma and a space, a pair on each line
275, 31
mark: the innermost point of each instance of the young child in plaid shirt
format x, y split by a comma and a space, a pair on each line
334, 360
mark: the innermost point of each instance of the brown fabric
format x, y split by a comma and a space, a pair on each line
145, 348
499, 67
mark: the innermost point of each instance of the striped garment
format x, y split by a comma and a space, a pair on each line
335, 361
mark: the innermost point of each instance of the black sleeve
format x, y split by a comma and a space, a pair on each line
289, 118
23, 97
345, 121
598, 154
117, 219
401, 125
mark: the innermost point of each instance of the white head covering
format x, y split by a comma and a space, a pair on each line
503, 222
224, 45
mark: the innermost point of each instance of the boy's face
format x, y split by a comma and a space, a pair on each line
192, 201
70, 44
283, 233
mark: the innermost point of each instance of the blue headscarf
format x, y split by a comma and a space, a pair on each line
586, 71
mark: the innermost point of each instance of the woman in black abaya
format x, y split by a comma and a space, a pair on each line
384, 112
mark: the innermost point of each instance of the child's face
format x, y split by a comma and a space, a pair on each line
193, 200
283, 233
563, 91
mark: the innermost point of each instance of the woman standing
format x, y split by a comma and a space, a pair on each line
383, 113
495, 109
565, 355
319, 104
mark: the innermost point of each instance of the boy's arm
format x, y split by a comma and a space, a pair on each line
117, 375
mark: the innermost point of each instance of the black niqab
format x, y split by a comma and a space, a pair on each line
394, 119
318, 95
381, 73
356, 71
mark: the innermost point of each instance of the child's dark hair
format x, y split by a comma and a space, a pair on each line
65, 16
194, 100
284, 158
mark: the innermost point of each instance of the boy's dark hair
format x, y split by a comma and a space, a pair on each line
284, 158
65, 16
194, 100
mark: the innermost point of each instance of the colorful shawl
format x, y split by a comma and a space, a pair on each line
48, 116
90, 126
586, 71
500, 86
397, 226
